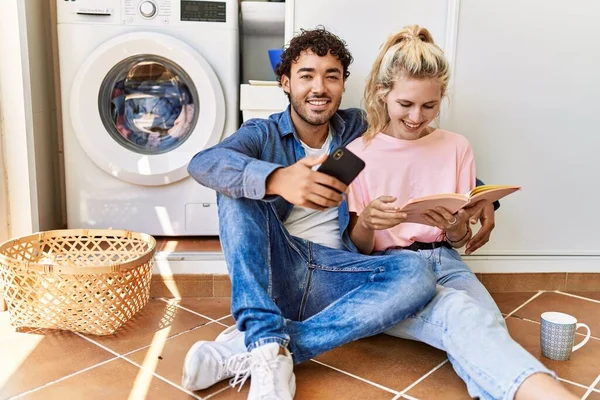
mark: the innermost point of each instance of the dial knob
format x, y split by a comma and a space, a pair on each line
148, 9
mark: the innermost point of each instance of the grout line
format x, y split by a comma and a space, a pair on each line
387, 389
572, 383
577, 297
535, 296
539, 323
164, 379
62, 378
188, 310
122, 357
415, 383
407, 397
591, 388
173, 336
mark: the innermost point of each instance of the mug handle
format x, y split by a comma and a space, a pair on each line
587, 337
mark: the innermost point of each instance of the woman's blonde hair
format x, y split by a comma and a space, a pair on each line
409, 53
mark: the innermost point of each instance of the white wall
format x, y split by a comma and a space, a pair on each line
28, 117
525, 90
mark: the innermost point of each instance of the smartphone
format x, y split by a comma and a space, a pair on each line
343, 165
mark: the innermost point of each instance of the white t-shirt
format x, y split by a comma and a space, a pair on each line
320, 227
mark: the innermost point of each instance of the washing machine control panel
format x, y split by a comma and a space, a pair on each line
153, 12
208, 11
147, 9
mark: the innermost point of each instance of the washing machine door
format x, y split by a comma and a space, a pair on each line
142, 104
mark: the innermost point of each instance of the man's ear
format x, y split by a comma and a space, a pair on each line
285, 83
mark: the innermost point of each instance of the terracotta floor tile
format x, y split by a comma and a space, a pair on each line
166, 359
589, 295
214, 308
523, 282
191, 244
30, 360
317, 382
583, 281
582, 368
116, 379
585, 311
576, 390
229, 321
509, 301
443, 383
389, 361
593, 396
157, 321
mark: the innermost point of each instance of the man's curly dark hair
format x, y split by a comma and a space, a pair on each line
321, 42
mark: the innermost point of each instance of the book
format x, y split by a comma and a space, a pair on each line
454, 201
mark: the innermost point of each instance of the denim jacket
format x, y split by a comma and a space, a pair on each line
239, 165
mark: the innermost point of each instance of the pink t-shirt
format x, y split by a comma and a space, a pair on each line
441, 162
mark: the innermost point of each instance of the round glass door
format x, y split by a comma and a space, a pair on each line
148, 104
143, 104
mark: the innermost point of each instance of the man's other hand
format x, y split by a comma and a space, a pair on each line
482, 211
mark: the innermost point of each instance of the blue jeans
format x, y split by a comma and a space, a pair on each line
463, 320
308, 297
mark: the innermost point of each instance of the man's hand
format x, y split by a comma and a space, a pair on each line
302, 186
380, 214
482, 211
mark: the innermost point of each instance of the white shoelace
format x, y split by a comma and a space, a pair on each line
239, 365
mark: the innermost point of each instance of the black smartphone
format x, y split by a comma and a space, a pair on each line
343, 165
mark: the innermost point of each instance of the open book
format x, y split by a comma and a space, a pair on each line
453, 201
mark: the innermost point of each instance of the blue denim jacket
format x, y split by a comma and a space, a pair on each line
239, 165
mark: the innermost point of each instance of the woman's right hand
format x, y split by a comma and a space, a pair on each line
381, 214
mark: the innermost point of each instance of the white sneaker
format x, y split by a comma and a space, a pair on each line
272, 374
231, 333
207, 363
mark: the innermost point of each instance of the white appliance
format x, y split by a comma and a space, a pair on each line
146, 84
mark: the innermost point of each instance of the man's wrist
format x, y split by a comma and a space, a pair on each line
458, 237
271, 182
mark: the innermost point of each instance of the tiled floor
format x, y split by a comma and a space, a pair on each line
144, 358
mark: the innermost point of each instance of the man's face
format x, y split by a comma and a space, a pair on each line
315, 86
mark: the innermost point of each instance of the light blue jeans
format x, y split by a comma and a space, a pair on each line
464, 321
308, 297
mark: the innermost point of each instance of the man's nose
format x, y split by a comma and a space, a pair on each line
318, 85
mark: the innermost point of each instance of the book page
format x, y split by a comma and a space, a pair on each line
491, 193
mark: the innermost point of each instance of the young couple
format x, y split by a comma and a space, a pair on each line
315, 264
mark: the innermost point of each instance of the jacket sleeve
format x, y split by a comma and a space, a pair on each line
480, 183
233, 167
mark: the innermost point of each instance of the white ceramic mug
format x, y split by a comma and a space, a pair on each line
557, 335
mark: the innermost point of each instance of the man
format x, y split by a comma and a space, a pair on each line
298, 282
290, 294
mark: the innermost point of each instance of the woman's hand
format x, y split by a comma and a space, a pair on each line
381, 214
456, 226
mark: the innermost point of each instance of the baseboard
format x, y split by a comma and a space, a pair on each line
537, 264
218, 285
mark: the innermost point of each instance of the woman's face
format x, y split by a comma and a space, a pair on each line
412, 104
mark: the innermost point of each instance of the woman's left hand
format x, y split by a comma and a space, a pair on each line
452, 224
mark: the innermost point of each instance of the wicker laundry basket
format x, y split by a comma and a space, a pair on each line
89, 281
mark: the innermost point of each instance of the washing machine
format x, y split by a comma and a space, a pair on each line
145, 85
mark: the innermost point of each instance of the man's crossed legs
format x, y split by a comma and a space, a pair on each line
290, 295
